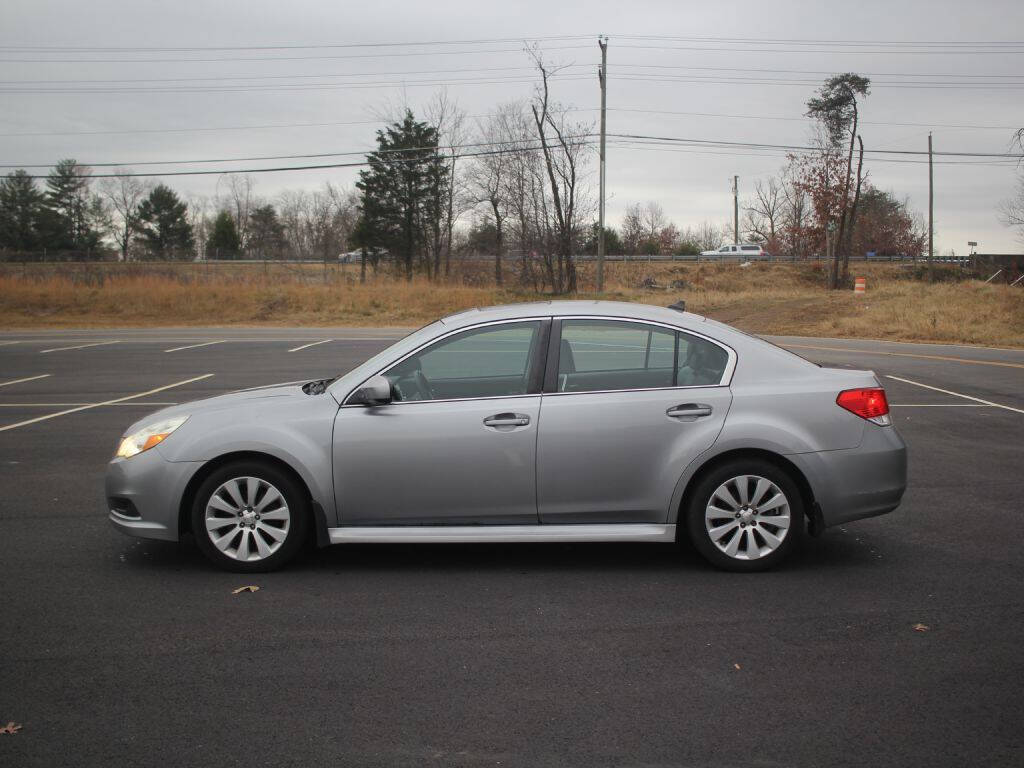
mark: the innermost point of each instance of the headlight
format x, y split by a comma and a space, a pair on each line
147, 437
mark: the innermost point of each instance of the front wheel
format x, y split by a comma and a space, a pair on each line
249, 517
746, 515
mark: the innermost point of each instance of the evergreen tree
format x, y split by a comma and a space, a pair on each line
266, 233
73, 218
21, 206
400, 190
163, 224
224, 242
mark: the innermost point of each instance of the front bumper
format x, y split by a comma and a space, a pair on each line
144, 494
859, 482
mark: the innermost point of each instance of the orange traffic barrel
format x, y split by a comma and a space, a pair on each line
860, 285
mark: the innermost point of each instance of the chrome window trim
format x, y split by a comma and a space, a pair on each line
541, 318
725, 381
730, 365
634, 389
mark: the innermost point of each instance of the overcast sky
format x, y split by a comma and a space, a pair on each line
708, 77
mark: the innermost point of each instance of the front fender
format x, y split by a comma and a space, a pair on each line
297, 432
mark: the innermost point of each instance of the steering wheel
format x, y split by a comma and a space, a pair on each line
424, 385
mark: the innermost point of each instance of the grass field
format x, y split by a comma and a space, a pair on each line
761, 298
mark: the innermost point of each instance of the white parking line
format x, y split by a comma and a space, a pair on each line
105, 402
938, 405
8, 343
64, 405
19, 381
80, 346
311, 344
955, 394
193, 346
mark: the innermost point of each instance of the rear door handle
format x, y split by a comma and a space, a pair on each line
689, 411
507, 420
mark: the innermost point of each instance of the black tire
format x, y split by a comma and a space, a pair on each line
709, 483
294, 496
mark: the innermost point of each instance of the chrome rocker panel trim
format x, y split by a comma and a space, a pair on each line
466, 534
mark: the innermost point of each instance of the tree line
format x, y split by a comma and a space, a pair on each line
516, 186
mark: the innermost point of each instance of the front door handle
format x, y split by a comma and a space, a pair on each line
507, 420
689, 411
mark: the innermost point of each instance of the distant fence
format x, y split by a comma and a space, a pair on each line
984, 265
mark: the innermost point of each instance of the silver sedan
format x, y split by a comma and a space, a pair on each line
558, 421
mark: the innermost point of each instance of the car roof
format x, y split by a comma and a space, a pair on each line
623, 309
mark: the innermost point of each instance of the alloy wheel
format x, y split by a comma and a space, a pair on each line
747, 517
247, 518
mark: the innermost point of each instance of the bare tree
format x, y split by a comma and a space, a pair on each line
563, 147
241, 199
762, 214
1012, 210
488, 176
200, 220
709, 236
633, 227
123, 194
450, 121
653, 219
523, 189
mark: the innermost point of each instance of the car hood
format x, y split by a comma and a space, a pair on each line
291, 389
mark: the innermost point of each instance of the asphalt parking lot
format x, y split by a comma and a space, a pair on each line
122, 652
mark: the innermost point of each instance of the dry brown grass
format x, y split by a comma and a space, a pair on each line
762, 298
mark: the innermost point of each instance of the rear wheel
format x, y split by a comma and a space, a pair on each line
249, 517
746, 515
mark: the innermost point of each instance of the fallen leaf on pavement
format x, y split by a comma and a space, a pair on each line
921, 627
737, 666
11, 727
246, 588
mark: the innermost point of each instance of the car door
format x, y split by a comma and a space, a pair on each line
457, 445
627, 405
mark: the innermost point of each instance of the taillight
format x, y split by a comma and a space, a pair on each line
869, 404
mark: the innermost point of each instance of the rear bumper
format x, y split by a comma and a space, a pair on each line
144, 494
860, 482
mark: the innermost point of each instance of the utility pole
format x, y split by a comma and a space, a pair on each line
602, 76
931, 206
735, 210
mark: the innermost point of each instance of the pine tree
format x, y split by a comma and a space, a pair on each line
266, 233
224, 242
401, 200
73, 218
21, 205
163, 225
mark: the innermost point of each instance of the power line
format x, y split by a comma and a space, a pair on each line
807, 119
294, 87
473, 80
638, 110
283, 58
795, 147
402, 150
224, 78
408, 44
282, 169
671, 140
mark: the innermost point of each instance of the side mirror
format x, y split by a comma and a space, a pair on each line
374, 391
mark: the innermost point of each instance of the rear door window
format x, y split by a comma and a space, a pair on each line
608, 355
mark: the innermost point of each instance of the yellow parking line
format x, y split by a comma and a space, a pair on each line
948, 359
